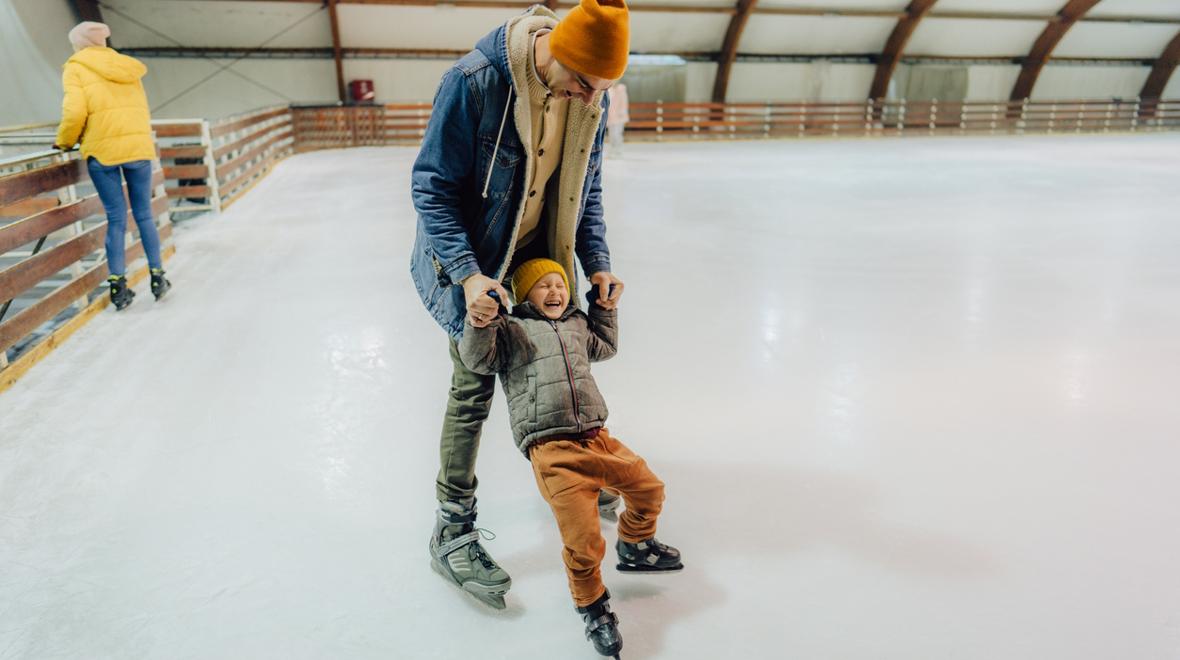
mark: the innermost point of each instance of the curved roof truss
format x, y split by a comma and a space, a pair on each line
1045, 44
895, 46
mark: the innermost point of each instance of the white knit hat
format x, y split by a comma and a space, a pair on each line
89, 33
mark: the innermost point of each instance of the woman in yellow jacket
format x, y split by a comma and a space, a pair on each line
105, 106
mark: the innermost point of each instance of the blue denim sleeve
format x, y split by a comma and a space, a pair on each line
591, 238
444, 164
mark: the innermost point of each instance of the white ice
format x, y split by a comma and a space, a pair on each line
911, 398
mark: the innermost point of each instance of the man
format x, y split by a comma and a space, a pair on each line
509, 170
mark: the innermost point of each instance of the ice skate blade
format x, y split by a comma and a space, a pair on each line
492, 598
609, 516
627, 568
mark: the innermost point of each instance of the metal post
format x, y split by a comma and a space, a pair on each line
659, 120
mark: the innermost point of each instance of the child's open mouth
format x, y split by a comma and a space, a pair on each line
552, 304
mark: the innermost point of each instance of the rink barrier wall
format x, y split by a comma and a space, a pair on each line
338, 127
680, 121
52, 260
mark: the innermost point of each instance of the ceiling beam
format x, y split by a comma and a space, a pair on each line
895, 46
1162, 70
336, 54
733, 36
1045, 44
87, 10
818, 11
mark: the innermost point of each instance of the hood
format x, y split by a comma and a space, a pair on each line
494, 45
110, 64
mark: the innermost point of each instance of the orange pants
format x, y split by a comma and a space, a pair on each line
569, 475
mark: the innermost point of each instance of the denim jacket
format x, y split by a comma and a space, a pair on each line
468, 180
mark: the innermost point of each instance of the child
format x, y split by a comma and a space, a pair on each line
542, 353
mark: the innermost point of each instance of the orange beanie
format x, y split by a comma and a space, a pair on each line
594, 38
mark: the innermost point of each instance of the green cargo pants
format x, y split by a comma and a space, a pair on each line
467, 407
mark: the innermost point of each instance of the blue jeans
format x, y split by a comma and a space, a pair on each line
109, 183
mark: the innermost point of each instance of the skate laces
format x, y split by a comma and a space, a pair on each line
478, 552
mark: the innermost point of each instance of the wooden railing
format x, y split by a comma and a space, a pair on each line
52, 264
246, 147
211, 165
661, 121
335, 127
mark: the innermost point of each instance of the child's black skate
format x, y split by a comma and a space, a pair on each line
121, 294
602, 627
457, 555
649, 556
160, 284
608, 505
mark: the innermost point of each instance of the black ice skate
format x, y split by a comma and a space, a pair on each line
160, 284
457, 555
648, 556
602, 627
121, 294
608, 505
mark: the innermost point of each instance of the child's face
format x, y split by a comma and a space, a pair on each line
550, 295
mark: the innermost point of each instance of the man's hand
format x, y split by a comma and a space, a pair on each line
482, 309
605, 280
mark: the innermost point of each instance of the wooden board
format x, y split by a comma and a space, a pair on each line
44, 223
16, 187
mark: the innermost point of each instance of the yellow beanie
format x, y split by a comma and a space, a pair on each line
593, 38
530, 272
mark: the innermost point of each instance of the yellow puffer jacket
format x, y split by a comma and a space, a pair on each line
106, 106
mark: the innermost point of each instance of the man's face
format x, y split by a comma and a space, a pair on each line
550, 295
566, 83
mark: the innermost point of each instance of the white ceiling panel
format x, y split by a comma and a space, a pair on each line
661, 32
690, 3
769, 34
1089, 82
1115, 40
1153, 8
837, 5
1038, 7
216, 24
973, 38
372, 26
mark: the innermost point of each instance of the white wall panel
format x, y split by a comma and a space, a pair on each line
698, 84
771, 34
373, 26
973, 38
1172, 90
837, 5
33, 46
1161, 8
399, 81
991, 82
218, 24
1089, 82
300, 80
1040, 7
691, 3
663, 32
817, 81
1115, 40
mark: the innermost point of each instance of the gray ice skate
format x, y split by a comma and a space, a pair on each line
457, 554
608, 505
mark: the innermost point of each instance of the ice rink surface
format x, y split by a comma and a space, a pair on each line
911, 399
